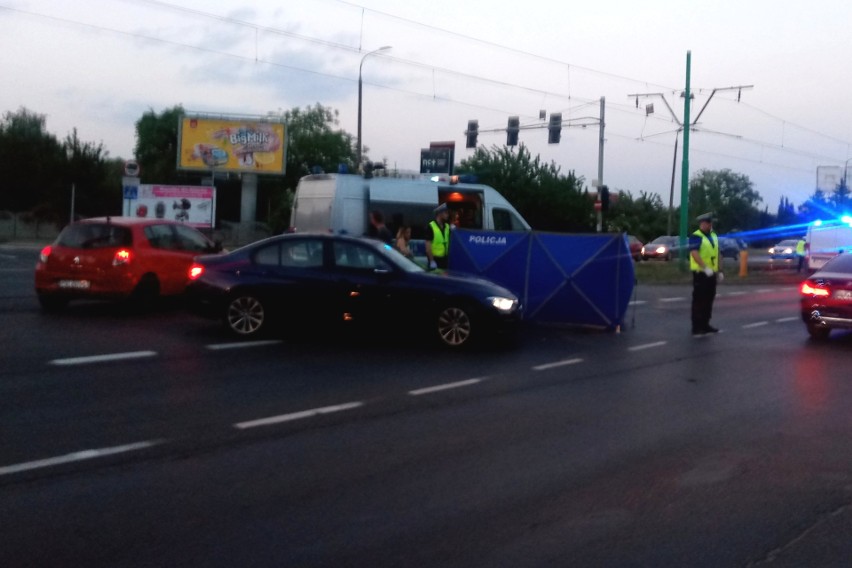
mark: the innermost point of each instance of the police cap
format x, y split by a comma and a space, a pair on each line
705, 217
440, 208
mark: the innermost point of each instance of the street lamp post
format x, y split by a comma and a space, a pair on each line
360, 67
69, 153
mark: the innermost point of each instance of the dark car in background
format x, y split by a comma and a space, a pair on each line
661, 248
331, 282
826, 297
635, 246
730, 248
114, 258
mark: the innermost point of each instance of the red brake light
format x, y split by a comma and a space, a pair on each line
121, 257
45, 252
195, 271
808, 290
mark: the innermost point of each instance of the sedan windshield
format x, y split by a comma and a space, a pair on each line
401, 260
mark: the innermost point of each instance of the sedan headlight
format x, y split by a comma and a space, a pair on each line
504, 305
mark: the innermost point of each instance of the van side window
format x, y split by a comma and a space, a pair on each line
505, 220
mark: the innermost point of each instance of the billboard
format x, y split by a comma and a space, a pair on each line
194, 205
231, 145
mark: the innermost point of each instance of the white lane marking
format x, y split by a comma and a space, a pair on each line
637, 303
679, 299
297, 415
756, 324
547, 366
103, 358
647, 346
737, 293
445, 386
77, 456
242, 344
785, 320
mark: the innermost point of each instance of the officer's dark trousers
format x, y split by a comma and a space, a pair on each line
703, 293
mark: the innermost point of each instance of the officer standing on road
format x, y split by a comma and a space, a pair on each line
705, 263
800, 253
438, 239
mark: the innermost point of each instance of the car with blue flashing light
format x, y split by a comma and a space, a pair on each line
826, 239
826, 297
783, 253
341, 203
330, 283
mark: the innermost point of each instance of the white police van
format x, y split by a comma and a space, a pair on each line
340, 203
827, 239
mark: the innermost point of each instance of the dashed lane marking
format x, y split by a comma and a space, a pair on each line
785, 320
297, 415
77, 456
647, 346
637, 303
547, 366
242, 344
755, 324
669, 300
103, 358
445, 386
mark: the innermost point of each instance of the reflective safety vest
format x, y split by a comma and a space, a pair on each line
709, 251
800, 247
440, 240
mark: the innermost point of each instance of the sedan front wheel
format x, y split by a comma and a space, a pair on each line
454, 326
245, 315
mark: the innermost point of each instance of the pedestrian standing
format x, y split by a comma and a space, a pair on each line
705, 263
379, 229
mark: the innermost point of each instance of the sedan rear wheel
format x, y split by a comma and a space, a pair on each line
454, 326
245, 315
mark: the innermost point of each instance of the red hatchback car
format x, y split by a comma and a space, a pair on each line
118, 258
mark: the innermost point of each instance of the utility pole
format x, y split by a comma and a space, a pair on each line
686, 126
600, 160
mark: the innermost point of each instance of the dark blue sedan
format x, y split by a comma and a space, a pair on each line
323, 281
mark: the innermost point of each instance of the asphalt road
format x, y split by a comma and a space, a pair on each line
157, 440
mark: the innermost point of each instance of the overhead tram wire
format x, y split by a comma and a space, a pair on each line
335, 45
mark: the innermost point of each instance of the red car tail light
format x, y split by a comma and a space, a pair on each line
121, 257
195, 271
45, 252
808, 289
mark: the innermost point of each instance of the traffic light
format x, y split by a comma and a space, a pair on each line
512, 131
554, 129
472, 132
604, 195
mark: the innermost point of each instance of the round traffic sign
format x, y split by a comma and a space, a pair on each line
131, 168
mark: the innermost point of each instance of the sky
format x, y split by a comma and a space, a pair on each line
767, 77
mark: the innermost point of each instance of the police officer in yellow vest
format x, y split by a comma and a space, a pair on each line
800, 253
438, 238
705, 263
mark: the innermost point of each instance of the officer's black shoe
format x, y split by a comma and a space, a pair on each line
710, 329
696, 332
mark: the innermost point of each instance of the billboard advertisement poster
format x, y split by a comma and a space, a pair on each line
194, 205
247, 146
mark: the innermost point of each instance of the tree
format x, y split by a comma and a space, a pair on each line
644, 217
31, 164
730, 196
315, 142
98, 189
548, 200
156, 146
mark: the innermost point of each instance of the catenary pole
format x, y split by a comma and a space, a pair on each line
684, 169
